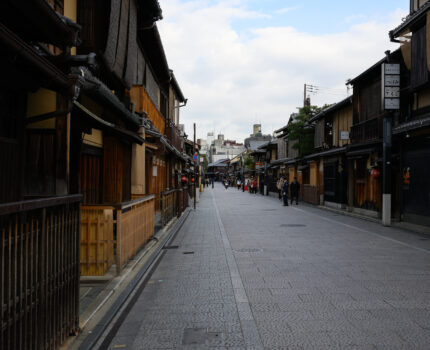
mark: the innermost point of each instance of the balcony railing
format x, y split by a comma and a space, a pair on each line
39, 272
174, 136
366, 131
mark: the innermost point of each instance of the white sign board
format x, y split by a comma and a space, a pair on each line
344, 135
392, 80
390, 86
392, 92
154, 170
392, 69
392, 103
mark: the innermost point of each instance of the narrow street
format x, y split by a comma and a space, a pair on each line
244, 272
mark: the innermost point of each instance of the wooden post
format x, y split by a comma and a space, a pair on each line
118, 241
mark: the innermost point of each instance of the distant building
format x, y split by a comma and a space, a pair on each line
256, 139
224, 149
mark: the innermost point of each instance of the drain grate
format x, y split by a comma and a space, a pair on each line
199, 336
171, 247
188, 253
293, 225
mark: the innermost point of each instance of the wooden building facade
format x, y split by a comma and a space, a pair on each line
74, 196
39, 200
411, 131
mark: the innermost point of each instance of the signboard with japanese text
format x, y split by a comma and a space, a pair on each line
390, 86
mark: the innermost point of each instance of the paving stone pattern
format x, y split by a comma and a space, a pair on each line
264, 276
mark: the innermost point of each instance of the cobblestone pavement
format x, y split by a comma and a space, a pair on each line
249, 273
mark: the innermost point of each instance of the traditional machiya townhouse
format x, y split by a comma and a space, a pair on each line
364, 154
117, 213
39, 199
328, 166
411, 130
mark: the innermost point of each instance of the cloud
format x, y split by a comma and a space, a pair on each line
233, 81
285, 10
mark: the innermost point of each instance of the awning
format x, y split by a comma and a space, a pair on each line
330, 152
109, 126
412, 125
360, 153
100, 92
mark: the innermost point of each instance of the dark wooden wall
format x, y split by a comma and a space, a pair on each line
116, 171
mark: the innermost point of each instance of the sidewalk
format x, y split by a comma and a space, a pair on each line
246, 273
99, 294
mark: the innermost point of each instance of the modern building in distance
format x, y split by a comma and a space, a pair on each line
224, 149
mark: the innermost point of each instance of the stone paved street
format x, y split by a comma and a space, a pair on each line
249, 273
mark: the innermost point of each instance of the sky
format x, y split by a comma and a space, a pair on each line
243, 62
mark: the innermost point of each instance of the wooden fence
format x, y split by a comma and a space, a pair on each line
114, 234
169, 206
97, 241
311, 194
39, 272
134, 227
182, 200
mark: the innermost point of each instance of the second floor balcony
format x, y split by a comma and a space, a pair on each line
367, 130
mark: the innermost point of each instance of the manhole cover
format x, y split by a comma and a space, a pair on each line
199, 336
171, 247
248, 250
293, 225
188, 253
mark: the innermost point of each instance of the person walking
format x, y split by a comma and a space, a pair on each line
279, 185
285, 192
226, 183
238, 182
294, 191
254, 186
212, 181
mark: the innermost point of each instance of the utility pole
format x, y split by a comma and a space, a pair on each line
195, 164
304, 96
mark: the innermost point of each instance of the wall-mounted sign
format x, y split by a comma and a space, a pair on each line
344, 135
154, 170
392, 92
390, 86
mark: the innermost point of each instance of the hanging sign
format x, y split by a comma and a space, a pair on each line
390, 86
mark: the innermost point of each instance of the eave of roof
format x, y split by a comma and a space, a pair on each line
412, 125
37, 21
153, 48
34, 61
97, 89
345, 102
109, 126
409, 21
281, 129
176, 87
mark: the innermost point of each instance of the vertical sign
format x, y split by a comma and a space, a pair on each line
390, 86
